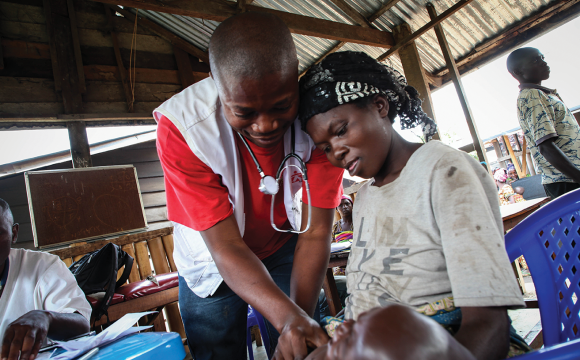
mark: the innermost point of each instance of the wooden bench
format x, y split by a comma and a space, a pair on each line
153, 254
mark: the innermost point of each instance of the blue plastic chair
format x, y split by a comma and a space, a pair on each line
549, 240
566, 351
255, 318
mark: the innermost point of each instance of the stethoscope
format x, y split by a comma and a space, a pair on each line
270, 185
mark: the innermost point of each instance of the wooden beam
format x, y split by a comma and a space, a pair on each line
242, 5
411, 37
122, 72
554, 15
446, 50
342, 43
1, 54
184, 67
72, 251
166, 34
386, 7
76, 45
513, 157
61, 120
80, 150
151, 76
333, 49
414, 71
52, 44
298, 24
352, 13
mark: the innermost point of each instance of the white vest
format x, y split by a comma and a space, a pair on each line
197, 113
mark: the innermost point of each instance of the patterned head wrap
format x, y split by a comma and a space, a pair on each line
500, 175
347, 76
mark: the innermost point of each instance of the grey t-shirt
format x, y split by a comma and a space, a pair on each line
434, 232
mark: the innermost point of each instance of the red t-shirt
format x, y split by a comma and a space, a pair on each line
197, 198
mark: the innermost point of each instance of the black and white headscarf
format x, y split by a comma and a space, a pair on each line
347, 76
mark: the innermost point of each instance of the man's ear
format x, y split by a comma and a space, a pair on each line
15, 229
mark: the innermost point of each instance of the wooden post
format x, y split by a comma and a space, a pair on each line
414, 71
68, 73
183, 66
119, 59
80, 150
76, 46
514, 158
456, 77
1, 56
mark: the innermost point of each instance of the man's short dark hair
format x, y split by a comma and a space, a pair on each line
5, 208
252, 45
514, 60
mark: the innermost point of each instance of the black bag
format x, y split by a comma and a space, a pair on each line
97, 272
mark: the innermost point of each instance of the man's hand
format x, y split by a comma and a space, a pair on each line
25, 335
296, 335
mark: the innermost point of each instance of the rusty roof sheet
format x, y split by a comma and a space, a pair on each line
467, 28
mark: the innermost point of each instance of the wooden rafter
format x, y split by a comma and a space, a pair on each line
298, 24
446, 50
122, 71
1, 55
452, 10
336, 47
352, 13
184, 67
386, 7
76, 45
536, 25
167, 35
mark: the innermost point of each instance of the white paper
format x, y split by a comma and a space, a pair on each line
122, 327
336, 247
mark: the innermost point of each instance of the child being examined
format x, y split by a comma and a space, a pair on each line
427, 228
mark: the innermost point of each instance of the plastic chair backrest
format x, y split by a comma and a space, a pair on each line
565, 351
255, 318
549, 240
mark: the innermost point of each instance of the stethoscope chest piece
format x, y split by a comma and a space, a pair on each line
269, 185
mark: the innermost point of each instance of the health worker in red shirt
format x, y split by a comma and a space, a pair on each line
217, 140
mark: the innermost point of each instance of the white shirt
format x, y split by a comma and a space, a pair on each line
434, 232
39, 281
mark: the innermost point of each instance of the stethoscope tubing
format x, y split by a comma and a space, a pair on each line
302, 168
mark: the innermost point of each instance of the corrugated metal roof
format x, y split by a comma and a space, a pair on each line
470, 26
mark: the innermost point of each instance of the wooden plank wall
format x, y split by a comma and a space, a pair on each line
27, 83
142, 156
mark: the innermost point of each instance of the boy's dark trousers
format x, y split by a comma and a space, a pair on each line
554, 190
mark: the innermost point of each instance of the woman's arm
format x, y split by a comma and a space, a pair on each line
485, 332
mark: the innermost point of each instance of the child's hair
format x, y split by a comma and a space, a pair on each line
355, 77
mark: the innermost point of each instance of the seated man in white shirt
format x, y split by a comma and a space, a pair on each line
39, 297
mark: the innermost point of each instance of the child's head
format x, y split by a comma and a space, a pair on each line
348, 103
380, 333
527, 65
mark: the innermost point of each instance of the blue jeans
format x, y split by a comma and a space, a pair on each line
216, 326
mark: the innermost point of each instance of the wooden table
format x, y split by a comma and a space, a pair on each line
329, 285
513, 214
